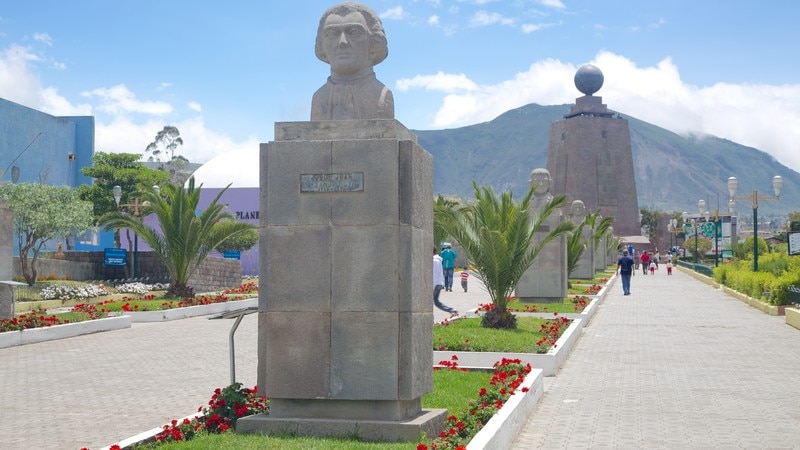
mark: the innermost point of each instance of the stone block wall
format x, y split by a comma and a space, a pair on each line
213, 274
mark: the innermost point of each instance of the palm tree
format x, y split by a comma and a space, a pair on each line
497, 235
185, 237
440, 207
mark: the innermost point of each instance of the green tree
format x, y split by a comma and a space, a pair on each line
165, 144
496, 234
650, 222
742, 250
442, 208
185, 236
703, 246
43, 212
239, 242
116, 169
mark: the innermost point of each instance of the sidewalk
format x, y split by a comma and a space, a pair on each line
677, 364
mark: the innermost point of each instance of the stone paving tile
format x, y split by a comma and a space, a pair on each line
93, 390
677, 364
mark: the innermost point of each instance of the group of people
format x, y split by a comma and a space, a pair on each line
626, 266
444, 265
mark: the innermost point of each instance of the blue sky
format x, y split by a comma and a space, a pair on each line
223, 73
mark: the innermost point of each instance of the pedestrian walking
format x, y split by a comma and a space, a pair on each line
448, 256
625, 271
464, 278
438, 283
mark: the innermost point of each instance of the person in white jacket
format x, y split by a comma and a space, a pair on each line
438, 283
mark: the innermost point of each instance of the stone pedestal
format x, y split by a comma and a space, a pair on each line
6, 260
345, 320
545, 281
600, 261
585, 268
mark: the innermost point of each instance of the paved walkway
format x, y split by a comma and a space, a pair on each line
675, 364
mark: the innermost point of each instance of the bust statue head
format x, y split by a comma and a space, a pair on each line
577, 210
541, 179
351, 39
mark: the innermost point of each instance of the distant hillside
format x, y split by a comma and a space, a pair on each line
672, 171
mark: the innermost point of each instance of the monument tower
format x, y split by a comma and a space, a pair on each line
590, 158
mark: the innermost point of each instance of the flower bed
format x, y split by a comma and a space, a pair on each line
42, 334
492, 420
585, 316
189, 311
548, 362
40, 326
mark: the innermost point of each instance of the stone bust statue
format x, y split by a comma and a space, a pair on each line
543, 182
351, 39
577, 211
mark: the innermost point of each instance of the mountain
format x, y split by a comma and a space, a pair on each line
672, 171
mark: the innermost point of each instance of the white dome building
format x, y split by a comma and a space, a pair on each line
240, 169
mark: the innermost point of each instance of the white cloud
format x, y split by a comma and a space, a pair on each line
433, 20
395, 13
43, 38
438, 82
762, 116
120, 100
557, 4
194, 106
485, 18
533, 27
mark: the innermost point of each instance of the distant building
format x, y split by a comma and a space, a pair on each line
36, 147
590, 159
240, 170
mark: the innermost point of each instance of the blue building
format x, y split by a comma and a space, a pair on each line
36, 147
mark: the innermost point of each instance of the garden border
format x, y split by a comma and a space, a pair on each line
548, 362
503, 428
585, 316
67, 330
189, 311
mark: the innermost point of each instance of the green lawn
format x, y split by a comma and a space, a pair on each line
469, 335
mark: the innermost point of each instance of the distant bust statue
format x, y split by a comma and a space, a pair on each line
351, 39
577, 211
542, 180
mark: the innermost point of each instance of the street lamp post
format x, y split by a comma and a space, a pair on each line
137, 208
777, 185
672, 227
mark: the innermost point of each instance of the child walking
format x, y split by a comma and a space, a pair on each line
669, 268
464, 278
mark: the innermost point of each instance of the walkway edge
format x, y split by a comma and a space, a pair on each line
503, 428
67, 330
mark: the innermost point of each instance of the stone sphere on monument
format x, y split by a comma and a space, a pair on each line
588, 79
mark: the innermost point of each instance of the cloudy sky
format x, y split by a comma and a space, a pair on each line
224, 72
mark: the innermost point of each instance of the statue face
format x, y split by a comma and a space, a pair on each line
346, 42
542, 180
